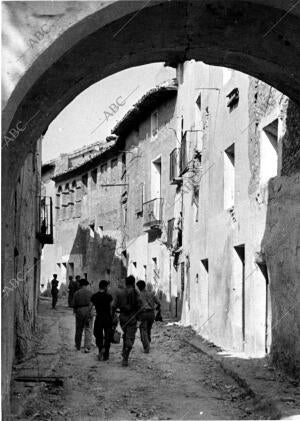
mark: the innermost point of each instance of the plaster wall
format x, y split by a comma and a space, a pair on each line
143, 247
214, 303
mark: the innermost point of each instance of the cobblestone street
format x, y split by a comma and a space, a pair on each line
174, 381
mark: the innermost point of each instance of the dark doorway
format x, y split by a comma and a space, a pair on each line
264, 270
240, 250
35, 290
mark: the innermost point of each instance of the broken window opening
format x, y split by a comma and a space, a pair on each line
233, 99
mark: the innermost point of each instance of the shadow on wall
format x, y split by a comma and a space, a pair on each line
281, 249
99, 257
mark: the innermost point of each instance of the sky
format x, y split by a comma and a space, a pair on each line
91, 116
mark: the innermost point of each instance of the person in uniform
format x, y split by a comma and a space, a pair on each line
129, 303
82, 308
147, 314
54, 290
103, 323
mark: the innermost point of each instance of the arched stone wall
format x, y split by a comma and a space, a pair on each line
89, 41
55, 50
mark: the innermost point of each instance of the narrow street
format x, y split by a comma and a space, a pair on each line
174, 381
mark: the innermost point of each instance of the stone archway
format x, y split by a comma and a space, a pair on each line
259, 37
121, 34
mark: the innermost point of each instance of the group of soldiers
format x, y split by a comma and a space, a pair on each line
130, 306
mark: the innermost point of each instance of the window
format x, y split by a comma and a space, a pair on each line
123, 166
154, 125
156, 178
92, 230
229, 177
72, 199
175, 167
94, 177
198, 117
84, 180
114, 170
65, 202
78, 198
233, 99
58, 202
205, 264
269, 151
103, 168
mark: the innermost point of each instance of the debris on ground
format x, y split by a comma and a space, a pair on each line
173, 381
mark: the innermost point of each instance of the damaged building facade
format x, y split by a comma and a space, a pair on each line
87, 215
181, 199
197, 201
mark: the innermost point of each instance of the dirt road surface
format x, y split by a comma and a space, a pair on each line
174, 381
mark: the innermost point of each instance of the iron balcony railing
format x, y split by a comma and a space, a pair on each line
152, 211
174, 166
45, 220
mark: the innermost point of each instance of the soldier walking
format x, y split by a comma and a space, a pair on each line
129, 303
103, 323
54, 290
83, 315
147, 314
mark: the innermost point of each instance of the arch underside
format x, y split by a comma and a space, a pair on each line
231, 34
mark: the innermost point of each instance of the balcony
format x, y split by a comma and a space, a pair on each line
191, 142
45, 220
174, 167
152, 211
